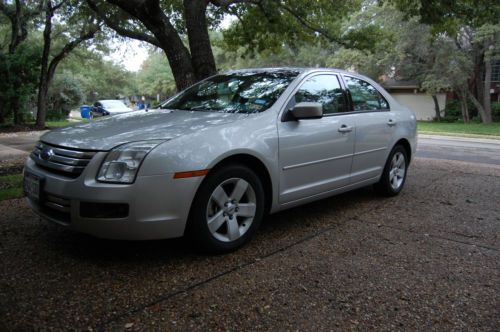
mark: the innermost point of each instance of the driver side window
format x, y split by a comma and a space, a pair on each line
324, 89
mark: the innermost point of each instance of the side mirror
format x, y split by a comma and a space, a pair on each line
307, 110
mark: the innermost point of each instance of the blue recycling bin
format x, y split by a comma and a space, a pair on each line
85, 111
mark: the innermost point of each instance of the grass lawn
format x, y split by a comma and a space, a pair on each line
492, 129
30, 126
61, 123
58, 123
11, 186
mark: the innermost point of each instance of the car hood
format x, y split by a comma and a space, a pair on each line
107, 132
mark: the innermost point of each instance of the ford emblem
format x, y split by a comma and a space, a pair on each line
46, 154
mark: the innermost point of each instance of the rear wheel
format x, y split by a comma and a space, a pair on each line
394, 174
227, 209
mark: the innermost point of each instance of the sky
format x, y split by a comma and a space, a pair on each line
130, 53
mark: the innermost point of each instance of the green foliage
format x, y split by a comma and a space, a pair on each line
98, 78
18, 76
450, 15
453, 111
488, 37
495, 110
292, 24
65, 94
155, 77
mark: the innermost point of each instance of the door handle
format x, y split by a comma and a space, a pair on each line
345, 129
391, 123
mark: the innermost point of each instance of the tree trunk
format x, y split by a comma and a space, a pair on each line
152, 16
14, 105
436, 108
48, 69
202, 56
462, 94
2, 118
486, 89
480, 108
43, 85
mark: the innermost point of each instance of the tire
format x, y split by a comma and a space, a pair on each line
227, 209
394, 175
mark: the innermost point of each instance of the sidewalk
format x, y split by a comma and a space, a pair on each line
482, 139
18, 145
460, 135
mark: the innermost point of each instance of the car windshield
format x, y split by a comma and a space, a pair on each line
113, 103
240, 92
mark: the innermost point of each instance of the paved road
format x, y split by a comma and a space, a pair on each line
428, 259
18, 145
485, 151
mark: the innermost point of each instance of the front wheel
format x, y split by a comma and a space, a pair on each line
394, 174
227, 209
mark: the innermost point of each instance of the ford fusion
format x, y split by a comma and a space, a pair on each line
214, 159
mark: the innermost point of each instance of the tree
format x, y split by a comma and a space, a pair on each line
77, 23
487, 38
65, 93
155, 77
98, 78
448, 70
21, 16
405, 49
165, 23
468, 22
187, 66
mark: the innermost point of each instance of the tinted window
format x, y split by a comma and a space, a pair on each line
324, 89
364, 96
245, 92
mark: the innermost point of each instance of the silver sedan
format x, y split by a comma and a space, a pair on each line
214, 159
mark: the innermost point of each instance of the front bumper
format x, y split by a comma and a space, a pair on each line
157, 205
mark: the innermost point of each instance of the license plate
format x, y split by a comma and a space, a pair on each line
31, 186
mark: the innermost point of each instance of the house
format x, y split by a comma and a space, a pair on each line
407, 93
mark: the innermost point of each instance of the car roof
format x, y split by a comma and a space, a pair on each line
299, 70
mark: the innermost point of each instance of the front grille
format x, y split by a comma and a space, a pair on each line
65, 161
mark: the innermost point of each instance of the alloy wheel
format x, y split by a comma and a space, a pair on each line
231, 209
398, 170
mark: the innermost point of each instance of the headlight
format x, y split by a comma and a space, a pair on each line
123, 162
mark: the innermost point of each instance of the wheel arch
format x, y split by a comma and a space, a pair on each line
256, 165
406, 145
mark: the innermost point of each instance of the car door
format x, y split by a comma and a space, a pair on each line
375, 125
315, 155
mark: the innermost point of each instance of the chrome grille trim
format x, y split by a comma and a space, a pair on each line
65, 160
57, 203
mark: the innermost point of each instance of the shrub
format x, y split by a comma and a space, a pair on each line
453, 110
65, 94
495, 110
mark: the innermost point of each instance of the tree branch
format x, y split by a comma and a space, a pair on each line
121, 30
227, 3
7, 11
309, 25
59, 5
70, 47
